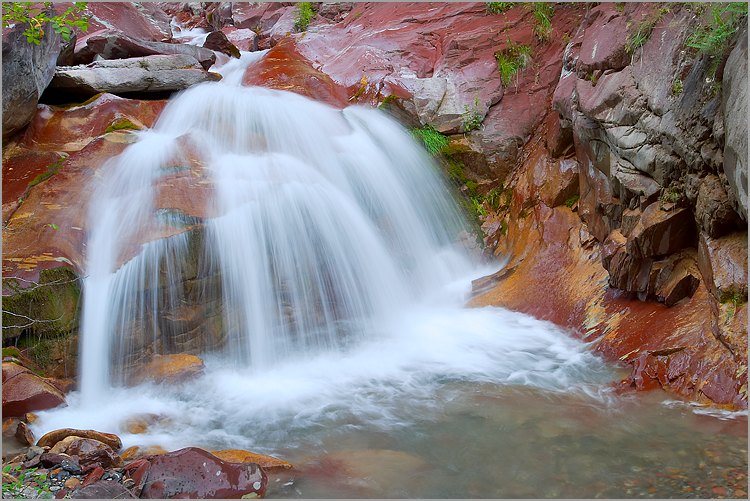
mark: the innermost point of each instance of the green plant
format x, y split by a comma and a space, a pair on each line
472, 118
477, 204
670, 196
620, 7
511, 60
493, 197
433, 141
640, 36
713, 38
570, 202
566, 38
37, 16
543, 13
733, 296
304, 15
499, 7
24, 480
387, 101
677, 87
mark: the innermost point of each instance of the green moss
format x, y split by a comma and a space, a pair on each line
47, 309
511, 60
11, 351
433, 141
303, 16
570, 202
121, 124
52, 169
733, 296
387, 101
677, 87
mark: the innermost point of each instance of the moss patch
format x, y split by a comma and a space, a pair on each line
121, 124
47, 309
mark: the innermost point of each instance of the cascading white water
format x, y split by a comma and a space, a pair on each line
328, 222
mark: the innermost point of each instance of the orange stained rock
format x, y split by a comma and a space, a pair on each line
268, 463
171, 368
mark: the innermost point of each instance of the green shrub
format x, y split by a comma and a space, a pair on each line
433, 141
543, 12
499, 7
304, 15
713, 38
472, 118
677, 87
37, 16
511, 60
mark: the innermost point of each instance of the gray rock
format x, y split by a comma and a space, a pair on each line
735, 123
27, 70
160, 73
713, 210
114, 44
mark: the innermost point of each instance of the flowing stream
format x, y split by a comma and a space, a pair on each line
332, 260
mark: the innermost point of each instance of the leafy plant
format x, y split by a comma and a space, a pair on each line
543, 13
433, 141
511, 60
37, 15
713, 38
499, 7
19, 489
304, 15
620, 7
472, 118
670, 196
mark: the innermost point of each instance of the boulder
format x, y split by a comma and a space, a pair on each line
218, 41
144, 20
713, 209
27, 70
170, 369
557, 181
723, 264
53, 437
242, 38
90, 452
103, 489
660, 232
195, 473
24, 391
114, 44
149, 74
603, 44
267, 463
735, 122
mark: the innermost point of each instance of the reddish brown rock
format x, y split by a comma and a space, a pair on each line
103, 489
284, 68
218, 41
603, 44
24, 392
195, 473
53, 437
713, 209
140, 20
91, 453
24, 434
242, 38
723, 264
136, 452
170, 369
660, 232
268, 463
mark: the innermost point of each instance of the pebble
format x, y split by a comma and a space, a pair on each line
71, 466
72, 483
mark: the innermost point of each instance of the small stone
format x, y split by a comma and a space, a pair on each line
71, 466
113, 475
72, 483
33, 451
30, 417
24, 434
128, 483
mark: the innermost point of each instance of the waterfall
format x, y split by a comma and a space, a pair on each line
318, 225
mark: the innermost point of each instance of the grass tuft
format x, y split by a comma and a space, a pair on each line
433, 141
304, 15
511, 60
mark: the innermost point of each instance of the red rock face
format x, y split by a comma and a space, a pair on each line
696, 348
284, 68
195, 473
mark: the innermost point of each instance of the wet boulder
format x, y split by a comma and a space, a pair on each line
170, 369
735, 122
24, 391
91, 453
661, 232
242, 38
218, 41
53, 437
148, 74
195, 473
103, 489
713, 209
268, 463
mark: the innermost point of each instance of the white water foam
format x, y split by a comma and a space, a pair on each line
342, 280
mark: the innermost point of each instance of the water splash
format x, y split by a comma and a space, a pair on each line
321, 225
